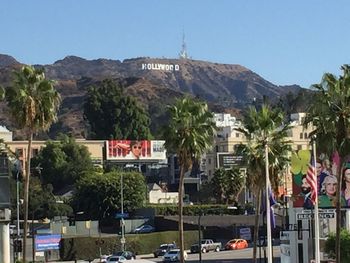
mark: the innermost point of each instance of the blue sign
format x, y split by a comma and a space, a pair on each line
121, 215
47, 242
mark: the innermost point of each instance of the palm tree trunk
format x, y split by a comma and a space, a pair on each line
256, 225
338, 211
26, 195
181, 226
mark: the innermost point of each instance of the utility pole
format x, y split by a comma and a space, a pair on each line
122, 240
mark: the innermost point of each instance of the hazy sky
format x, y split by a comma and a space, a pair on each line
286, 42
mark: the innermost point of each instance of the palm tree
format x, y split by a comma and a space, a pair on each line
329, 113
33, 103
189, 134
262, 127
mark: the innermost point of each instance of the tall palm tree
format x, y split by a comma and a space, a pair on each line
329, 113
260, 127
33, 103
189, 134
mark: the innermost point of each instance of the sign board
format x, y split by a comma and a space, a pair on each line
47, 242
4, 183
121, 215
228, 160
245, 233
127, 150
322, 215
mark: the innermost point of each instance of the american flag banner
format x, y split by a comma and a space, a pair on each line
311, 179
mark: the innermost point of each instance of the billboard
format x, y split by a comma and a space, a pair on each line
327, 181
127, 150
228, 160
47, 242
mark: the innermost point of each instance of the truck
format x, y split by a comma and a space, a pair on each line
206, 246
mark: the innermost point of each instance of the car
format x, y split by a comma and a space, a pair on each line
163, 248
116, 259
236, 243
144, 229
104, 258
127, 254
205, 246
173, 255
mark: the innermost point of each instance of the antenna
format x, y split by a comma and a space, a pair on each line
183, 53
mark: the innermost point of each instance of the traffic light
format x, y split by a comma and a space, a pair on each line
17, 246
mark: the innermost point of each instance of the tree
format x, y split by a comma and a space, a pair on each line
189, 134
33, 103
114, 115
263, 127
227, 184
98, 195
329, 113
330, 247
43, 203
62, 162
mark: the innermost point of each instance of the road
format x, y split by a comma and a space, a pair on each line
237, 256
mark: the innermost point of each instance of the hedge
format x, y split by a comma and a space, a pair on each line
87, 248
191, 210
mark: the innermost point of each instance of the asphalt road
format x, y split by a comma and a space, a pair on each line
237, 256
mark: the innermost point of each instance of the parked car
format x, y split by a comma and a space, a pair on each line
163, 248
236, 244
116, 259
206, 245
173, 255
127, 254
104, 258
144, 229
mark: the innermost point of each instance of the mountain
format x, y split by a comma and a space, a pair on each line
154, 82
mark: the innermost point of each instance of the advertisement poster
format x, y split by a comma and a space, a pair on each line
327, 182
127, 150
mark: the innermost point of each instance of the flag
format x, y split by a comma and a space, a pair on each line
272, 203
311, 179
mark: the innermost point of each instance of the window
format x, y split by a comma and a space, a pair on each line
237, 135
305, 135
35, 152
209, 173
19, 152
299, 147
301, 135
209, 160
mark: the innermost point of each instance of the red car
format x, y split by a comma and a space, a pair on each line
236, 244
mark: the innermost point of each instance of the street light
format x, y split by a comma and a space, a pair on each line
122, 240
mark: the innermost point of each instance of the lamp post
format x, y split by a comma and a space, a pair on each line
122, 240
199, 236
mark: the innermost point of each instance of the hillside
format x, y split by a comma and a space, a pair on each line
154, 82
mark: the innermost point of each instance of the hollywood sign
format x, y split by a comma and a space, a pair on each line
158, 66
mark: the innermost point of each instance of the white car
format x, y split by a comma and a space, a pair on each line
116, 259
173, 255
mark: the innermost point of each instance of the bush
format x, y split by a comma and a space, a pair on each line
87, 247
344, 246
191, 210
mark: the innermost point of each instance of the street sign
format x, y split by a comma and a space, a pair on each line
121, 215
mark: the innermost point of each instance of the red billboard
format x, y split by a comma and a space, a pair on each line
128, 150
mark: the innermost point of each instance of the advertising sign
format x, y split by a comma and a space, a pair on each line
245, 233
47, 242
228, 160
327, 181
127, 150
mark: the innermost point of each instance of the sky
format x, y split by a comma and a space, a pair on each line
285, 42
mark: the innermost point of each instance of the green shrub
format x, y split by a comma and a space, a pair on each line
344, 246
88, 249
190, 210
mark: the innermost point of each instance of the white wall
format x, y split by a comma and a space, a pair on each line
159, 197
